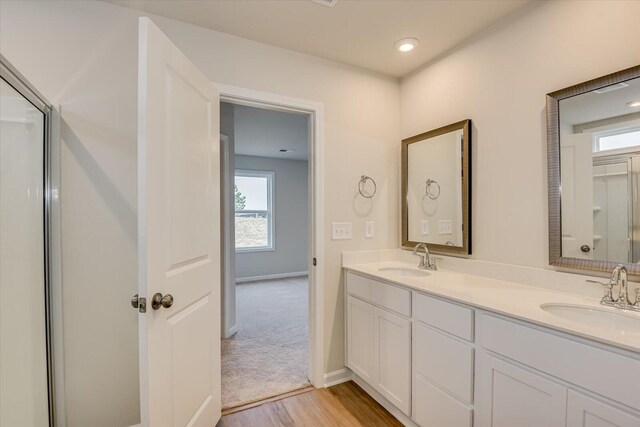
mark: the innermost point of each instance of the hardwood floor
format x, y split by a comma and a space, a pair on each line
343, 405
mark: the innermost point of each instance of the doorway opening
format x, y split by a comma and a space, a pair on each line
269, 297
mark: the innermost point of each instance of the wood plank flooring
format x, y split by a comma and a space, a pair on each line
343, 405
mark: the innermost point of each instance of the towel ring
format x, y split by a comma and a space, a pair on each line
430, 193
363, 181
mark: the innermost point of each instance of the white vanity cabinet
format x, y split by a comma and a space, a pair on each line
441, 363
531, 376
379, 338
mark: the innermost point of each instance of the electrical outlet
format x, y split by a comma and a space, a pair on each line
444, 226
341, 231
369, 229
424, 227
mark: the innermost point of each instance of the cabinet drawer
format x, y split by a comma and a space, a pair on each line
449, 317
584, 365
444, 361
387, 296
434, 408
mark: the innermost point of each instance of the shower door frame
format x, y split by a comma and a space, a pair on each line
16, 80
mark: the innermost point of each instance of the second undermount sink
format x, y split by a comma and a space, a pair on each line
613, 319
404, 271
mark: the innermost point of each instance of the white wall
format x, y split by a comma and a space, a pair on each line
83, 55
499, 80
290, 221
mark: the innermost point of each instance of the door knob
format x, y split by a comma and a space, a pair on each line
158, 300
585, 248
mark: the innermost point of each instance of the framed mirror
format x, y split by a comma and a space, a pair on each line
436, 190
593, 148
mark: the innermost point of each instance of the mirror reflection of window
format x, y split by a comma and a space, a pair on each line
600, 166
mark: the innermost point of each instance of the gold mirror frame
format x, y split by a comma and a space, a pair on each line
465, 249
554, 175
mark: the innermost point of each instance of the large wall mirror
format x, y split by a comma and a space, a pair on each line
594, 173
436, 202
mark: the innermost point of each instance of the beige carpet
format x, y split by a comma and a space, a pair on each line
268, 354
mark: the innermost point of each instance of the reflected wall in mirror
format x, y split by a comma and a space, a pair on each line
436, 189
594, 138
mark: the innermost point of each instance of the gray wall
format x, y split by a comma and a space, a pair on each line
290, 220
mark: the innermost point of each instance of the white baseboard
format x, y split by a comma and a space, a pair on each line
231, 331
337, 377
397, 413
271, 276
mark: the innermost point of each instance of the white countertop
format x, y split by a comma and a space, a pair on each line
508, 298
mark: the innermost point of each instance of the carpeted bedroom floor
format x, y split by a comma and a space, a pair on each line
268, 354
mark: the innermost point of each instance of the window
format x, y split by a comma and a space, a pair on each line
254, 210
617, 139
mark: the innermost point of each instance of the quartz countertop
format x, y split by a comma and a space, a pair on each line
508, 298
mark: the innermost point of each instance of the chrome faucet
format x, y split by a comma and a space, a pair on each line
619, 278
426, 263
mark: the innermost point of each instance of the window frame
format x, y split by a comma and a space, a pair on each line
270, 176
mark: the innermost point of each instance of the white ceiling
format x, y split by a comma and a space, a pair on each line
360, 33
592, 106
261, 132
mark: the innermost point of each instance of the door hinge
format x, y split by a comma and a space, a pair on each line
315, 262
139, 303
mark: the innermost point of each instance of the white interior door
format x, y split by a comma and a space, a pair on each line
576, 154
178, 236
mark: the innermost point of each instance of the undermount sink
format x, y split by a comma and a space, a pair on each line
613, 319
404, 271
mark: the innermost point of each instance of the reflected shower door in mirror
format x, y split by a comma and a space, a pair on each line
435, 189
24, 380
600, 165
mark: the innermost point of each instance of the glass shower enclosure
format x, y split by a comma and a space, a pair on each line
26, 379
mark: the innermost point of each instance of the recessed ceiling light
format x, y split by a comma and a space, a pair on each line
406, 44
633, 104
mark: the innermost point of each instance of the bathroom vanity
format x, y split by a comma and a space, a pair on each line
447, 349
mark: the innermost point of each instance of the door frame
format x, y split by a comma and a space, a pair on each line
315, 111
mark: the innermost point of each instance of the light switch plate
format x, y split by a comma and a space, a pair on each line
444, 226
424, 227
369, 229
341, 230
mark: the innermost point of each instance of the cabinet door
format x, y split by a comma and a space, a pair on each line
433, 407
393, 358
508, 396
360, 350
583, 411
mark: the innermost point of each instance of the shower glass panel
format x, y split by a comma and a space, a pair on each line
24, 397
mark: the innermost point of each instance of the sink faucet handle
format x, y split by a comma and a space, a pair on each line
608, 291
